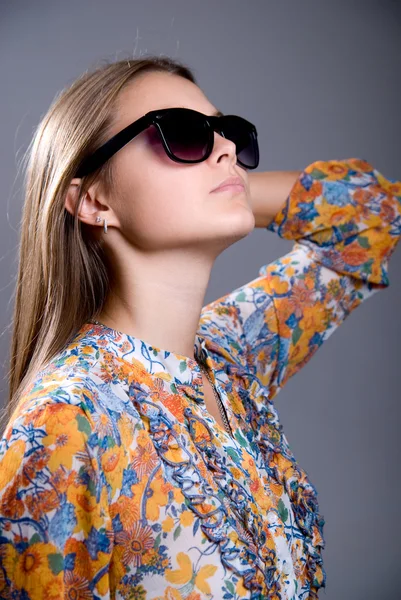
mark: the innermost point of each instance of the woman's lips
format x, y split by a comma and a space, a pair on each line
233, 183
231, 187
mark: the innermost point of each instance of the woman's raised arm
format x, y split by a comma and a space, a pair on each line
345, 219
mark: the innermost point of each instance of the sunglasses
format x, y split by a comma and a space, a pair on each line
187, 137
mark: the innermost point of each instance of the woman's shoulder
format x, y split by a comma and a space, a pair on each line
54, 393
76, 384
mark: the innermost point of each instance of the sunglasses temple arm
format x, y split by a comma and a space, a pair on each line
118, 141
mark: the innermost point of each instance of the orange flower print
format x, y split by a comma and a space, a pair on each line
62, 479
11, 504
42, 502
114, 461
170, 593
301, 296
175, 404
135, 542
36, 462
127, 509
354, 255
145, 459
77, 587
332, 169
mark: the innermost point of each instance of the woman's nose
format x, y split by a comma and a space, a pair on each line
223, 145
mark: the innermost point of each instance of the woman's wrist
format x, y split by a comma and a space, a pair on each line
268, 191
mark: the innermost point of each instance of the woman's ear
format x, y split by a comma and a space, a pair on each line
92, 205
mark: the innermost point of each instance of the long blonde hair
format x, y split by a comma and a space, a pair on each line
63, 276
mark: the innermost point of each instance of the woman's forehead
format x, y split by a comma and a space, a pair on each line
152, 91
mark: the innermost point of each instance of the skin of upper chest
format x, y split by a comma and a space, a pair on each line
210, 401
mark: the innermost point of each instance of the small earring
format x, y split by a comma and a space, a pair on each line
98, 219
105, 225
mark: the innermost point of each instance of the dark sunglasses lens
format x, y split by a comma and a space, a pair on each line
186, 135
239, 131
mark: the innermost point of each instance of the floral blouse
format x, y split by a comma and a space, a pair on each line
115, 480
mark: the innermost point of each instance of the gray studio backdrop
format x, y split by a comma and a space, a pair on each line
320, 80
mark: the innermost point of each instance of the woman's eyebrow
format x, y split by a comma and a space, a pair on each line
218, 113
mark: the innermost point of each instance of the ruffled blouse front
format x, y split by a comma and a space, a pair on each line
116, 482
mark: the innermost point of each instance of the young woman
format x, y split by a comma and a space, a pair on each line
143, 455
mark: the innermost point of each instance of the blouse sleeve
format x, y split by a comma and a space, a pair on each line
345, 220
55, 530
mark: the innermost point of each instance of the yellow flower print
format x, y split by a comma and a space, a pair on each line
143, 438
278, 285
241, 589
63, 443
331, 214
276, 489
128, 510
117, 566
283, 464
150, 557
186, 518
87, 510
314, 318
204, 573
54, 589
71, 360
236, 403
159, 498
178, 495
168, 524
184, 573
10, 462
301, 352
262, 498
126, 431
87, 349
32, 571
233, 535
393, 188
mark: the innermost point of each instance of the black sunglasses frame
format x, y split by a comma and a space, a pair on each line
155, 117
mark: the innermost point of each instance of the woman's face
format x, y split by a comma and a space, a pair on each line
159, 203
